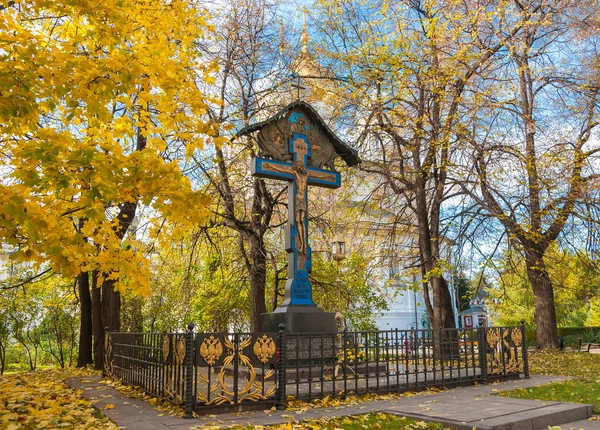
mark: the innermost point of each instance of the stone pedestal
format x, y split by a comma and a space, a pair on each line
298, 319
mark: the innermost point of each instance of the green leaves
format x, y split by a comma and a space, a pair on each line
575, 282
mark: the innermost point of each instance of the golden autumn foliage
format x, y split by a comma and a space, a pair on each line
99, 107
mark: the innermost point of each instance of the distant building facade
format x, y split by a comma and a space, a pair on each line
478, 313
406, 301
407, 310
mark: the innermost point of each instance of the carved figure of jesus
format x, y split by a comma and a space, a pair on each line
301, 175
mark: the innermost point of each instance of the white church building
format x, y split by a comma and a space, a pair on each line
407, 309
404, 291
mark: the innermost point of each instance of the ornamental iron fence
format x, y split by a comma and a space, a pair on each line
237, 371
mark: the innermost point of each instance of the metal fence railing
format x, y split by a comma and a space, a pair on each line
203, 371
152, 361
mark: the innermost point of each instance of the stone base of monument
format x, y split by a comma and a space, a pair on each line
298, 319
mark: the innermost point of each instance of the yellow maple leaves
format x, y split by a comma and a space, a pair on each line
42, 400
99, 107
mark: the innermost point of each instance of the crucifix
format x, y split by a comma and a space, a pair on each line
300, 176
298, 86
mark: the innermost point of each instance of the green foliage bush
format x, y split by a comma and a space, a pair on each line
570, 335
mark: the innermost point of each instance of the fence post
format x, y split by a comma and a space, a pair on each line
281, 370
343, 360
236, 361
189, 371
525, 357
483, 353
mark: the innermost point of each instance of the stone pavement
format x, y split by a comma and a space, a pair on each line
460, 408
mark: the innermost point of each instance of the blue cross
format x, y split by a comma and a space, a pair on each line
298, 290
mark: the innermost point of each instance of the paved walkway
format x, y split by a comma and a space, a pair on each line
461, 408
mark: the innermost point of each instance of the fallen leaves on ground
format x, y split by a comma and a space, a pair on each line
376, 420
351, 399
580, 364
135, 392
41, 399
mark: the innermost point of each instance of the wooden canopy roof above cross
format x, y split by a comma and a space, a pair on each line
300, 118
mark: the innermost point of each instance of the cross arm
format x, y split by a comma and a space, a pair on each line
324, 178
272, 169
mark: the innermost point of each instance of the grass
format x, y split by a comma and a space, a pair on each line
378, 421
583, 366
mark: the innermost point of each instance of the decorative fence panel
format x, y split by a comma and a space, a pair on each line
234, 368
204, 371
506, 349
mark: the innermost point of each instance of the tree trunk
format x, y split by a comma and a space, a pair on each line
438, 308
97, 325
448, 320
29, 356
545, 310
426, 293
449, 348
73, 336
258, 269
111, 299
2, 358
111, 306
276, 293
443, 314
85, 324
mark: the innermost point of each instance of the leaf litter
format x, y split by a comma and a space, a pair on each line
41, 399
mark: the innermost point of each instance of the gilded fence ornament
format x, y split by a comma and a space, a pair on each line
514, 364
211, 350
252, 389
202, 379
504, 345
179, 352
264, 348
108, 365
517, 336
166, 347
493, 338
494, 341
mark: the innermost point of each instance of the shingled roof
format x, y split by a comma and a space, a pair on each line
349, 155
